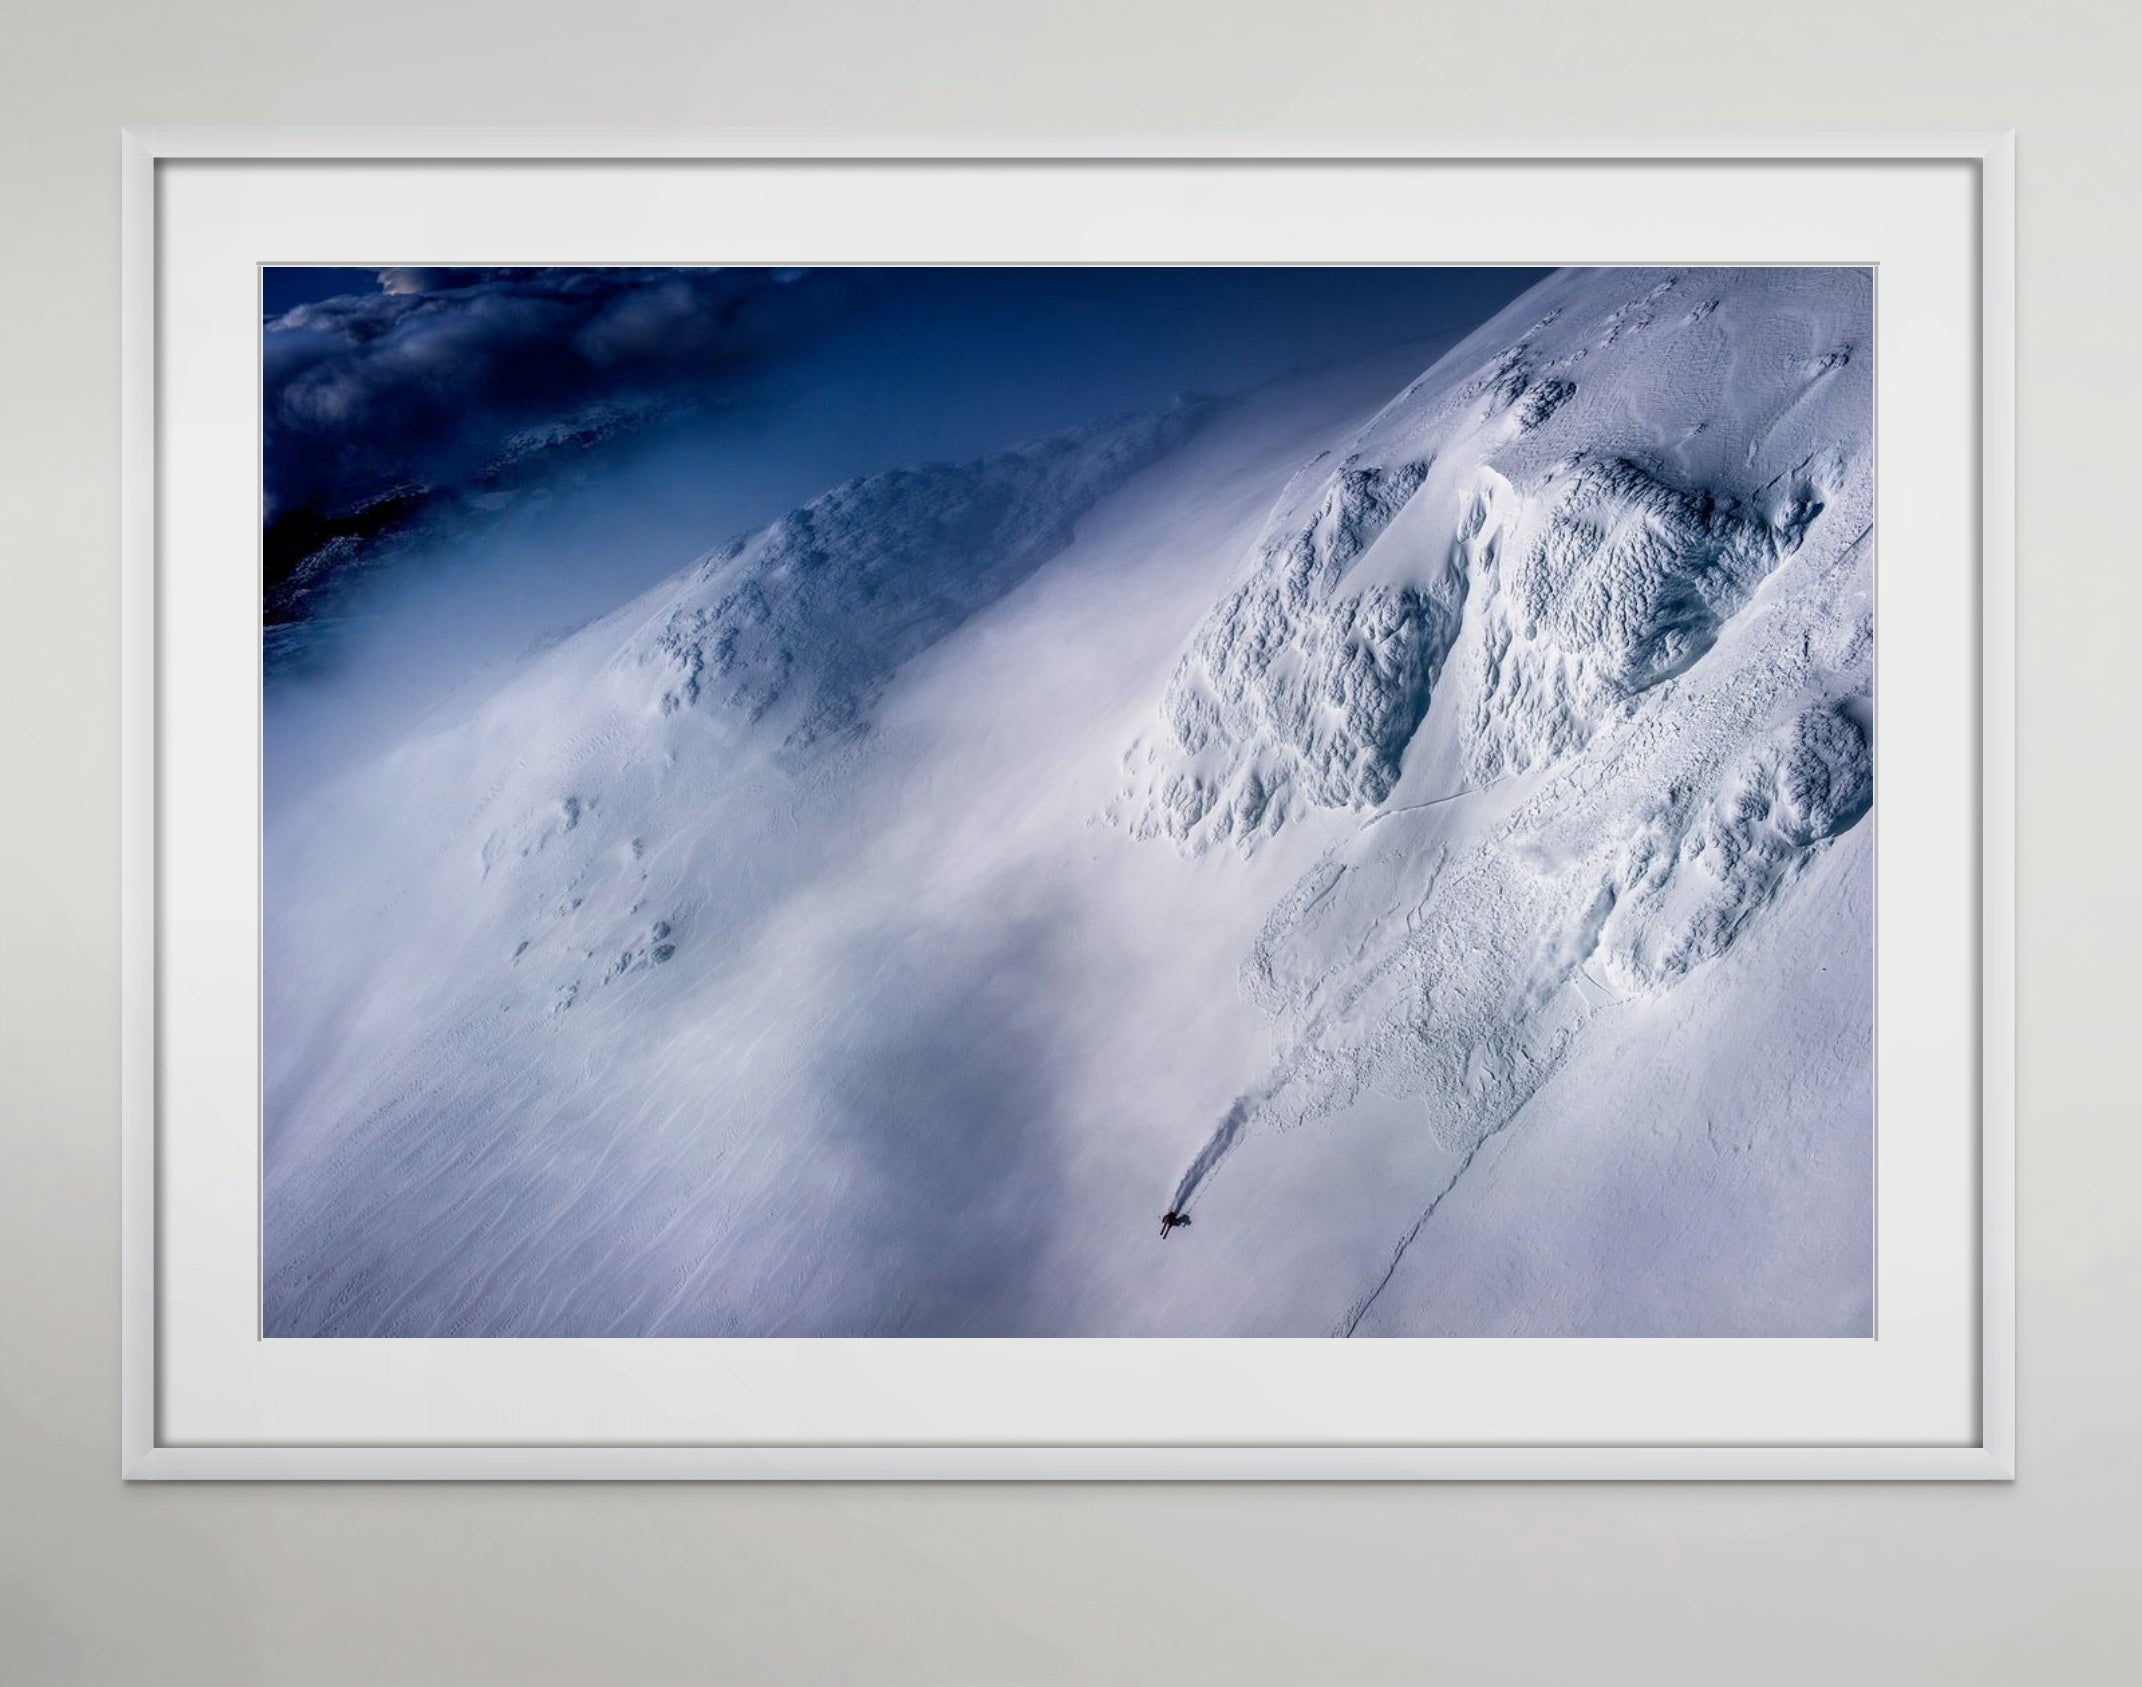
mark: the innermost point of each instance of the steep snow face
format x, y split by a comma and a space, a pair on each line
1631, 554
800, 950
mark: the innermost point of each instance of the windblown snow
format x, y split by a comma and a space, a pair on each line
1419, 823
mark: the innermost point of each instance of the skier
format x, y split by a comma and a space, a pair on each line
1169, 1220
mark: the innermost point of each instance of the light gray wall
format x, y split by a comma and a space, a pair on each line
231, 1585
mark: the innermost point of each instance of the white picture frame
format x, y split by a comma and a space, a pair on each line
151, 1451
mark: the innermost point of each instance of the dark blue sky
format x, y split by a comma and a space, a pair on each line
285, 285
1003, 354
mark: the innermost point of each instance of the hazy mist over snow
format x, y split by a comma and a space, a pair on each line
822, 804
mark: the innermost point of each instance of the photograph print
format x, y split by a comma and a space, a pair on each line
1027, 802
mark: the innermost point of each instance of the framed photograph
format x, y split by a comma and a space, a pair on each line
804, 806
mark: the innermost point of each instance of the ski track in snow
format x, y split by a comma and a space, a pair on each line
768, 983
1367, 1303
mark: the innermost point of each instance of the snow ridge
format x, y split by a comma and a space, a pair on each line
806, 620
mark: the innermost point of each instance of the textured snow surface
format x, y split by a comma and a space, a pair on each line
1429, 838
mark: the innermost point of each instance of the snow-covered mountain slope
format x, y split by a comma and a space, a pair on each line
807, 620
1427, 836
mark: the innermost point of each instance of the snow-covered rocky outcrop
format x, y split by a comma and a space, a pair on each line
1297, 689
1361, 817
1595, 564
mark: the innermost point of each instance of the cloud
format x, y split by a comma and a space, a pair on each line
426, 382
